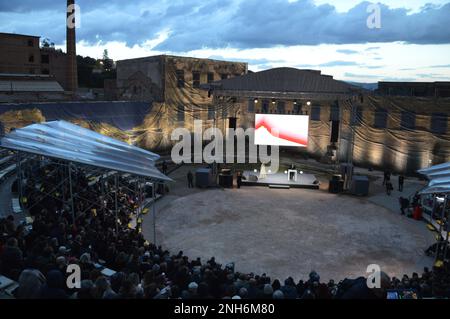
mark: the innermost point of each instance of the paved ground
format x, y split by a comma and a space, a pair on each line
290, 232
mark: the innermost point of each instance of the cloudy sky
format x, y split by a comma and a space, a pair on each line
413, 43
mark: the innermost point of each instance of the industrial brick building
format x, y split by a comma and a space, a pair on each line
156, 78
22, 54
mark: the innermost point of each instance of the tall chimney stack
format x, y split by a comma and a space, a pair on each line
72, 75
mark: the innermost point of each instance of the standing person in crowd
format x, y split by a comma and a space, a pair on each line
387, 177
190, 178
416, 199
401, 182
239, 179
404, 204
389, 188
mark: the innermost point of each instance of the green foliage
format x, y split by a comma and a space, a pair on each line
88, 78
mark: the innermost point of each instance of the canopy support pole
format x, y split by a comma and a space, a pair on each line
154, 211
115, 202
71, 192
441, 227
446, 226
19, 175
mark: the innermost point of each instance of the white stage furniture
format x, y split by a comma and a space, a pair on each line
294, 171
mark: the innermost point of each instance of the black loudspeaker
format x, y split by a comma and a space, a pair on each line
232, 123
336, 187
226, 171
334, 131
226, 181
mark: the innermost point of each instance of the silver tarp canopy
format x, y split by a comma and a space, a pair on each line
66, 141
439, 177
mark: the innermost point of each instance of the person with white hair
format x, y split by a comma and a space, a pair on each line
192, 289
278, 294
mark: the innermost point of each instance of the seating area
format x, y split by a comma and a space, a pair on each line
123, 264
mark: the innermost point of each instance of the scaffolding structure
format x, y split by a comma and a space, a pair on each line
439, 188
63, 150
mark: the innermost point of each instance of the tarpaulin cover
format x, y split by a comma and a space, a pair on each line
403, 134
122, 115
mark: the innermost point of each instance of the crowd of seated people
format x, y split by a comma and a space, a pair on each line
38, 259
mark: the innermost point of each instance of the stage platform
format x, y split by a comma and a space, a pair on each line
307, 181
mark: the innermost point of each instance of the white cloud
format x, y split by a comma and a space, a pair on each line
379, 61
413, 5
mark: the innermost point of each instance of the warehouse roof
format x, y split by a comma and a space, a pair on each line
30, 86
286, 80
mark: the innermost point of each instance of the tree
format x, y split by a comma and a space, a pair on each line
46, 43
108, 63
86, 77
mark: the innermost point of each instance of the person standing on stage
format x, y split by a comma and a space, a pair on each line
190, 178
401, 182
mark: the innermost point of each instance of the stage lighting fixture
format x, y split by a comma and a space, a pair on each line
308, 103
256, 171
295, 102
273, 101
285, 172
301, 172
256, 101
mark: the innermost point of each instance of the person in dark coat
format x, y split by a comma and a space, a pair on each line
54, 289
164, 167
387, 177
389, 188
401, 182
358, 289
11, 259
190, 178
404, 204
239, 179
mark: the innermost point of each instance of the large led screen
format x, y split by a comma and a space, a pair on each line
281, 130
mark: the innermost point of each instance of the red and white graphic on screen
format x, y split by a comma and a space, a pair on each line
281, 130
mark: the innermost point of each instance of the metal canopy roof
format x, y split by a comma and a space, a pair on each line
30, 86
439, 177
66, 141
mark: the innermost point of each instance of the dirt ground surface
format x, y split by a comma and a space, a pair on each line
290, 232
